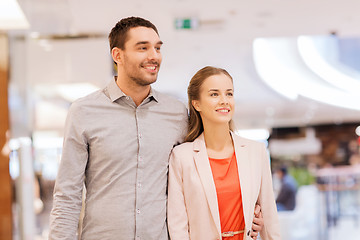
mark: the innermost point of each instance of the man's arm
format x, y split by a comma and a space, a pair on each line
64, 217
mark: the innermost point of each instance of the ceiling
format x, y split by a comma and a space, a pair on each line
76, 50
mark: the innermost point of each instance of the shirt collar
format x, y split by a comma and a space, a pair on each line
153, 95
115, 92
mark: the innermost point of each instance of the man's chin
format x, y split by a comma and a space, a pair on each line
151, 79
145, 82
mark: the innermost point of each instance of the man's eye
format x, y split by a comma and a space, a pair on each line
230, 94
158, 49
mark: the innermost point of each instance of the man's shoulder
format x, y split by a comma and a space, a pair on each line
168, 99
101, 93
171, 106
88, 101
90, 97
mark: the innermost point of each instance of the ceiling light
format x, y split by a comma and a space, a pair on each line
11, 16
318, 65
267, 64
280, 66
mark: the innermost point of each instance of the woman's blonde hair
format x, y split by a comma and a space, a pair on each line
195, 126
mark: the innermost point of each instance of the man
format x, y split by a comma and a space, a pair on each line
117, 141
286, 198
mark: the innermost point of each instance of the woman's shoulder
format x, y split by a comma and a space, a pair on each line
184, 147
182, 154
245, 141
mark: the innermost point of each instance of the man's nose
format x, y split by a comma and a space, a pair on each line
154, 54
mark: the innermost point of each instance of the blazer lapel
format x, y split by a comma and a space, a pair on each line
204, 169
242, 158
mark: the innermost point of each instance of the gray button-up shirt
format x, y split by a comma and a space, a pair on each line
121, 152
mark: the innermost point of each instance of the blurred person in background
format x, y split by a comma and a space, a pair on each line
286, 198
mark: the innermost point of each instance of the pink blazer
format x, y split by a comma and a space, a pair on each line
192, 202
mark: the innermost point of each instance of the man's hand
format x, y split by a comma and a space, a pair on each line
258, 222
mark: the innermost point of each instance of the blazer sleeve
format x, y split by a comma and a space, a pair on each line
177, 215
271, 229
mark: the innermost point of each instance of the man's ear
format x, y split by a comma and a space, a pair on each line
116, 55
196, 105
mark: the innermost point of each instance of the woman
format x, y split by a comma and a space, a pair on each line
216, 177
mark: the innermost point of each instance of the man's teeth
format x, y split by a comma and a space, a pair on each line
151, 68
223, 110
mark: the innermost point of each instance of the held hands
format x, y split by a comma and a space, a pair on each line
258, 222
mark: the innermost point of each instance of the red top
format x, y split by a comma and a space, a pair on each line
226, 178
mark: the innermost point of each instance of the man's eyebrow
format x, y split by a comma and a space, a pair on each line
141, 43
147, 42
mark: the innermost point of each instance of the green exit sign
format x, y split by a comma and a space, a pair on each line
186, 23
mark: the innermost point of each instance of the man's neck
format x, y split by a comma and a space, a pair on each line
136, 92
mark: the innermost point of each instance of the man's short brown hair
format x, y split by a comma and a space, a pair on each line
118, 34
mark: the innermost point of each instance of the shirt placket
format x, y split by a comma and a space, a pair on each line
139, 176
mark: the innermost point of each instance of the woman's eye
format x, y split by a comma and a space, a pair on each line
230, 94
213, 94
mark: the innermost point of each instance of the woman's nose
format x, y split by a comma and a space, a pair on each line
224, 100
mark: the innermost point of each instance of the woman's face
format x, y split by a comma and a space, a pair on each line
216, 101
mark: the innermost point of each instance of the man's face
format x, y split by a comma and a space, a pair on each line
141, 57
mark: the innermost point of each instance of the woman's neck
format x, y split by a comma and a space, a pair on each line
218, 141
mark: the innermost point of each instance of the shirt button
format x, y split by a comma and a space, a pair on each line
140, 135
140, 159
138, 211
139, 184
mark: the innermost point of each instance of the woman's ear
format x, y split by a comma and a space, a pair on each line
196, 105
116, 55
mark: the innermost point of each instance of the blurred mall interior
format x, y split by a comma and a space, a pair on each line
296, 70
